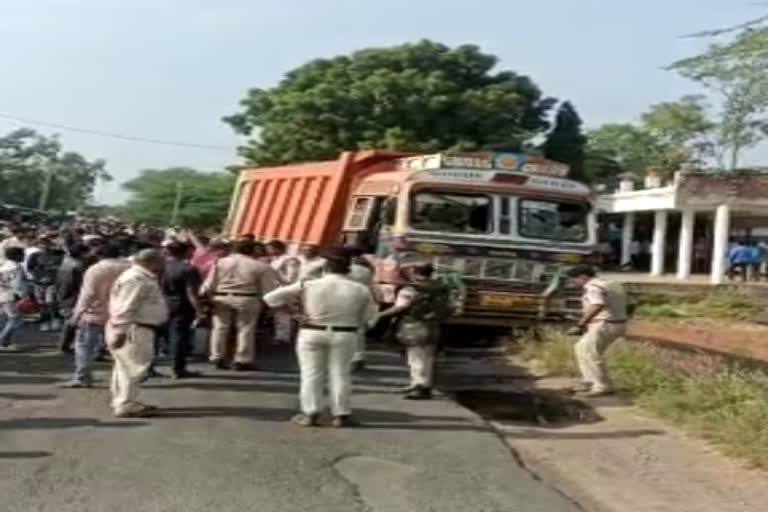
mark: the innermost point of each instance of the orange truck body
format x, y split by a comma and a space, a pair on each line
302, 203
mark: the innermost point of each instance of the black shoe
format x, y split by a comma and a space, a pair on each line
407, 389
154, 374
219, 364
420, 393
345, 421
306, 420
244, 367
358, 366
186, 374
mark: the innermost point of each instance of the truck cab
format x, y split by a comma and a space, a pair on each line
506, 224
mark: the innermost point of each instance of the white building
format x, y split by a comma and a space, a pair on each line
727, 201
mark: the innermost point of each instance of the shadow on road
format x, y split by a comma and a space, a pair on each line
27, 379
62, 423
616, 434
24, 455
25, 396
370, 418
226, 386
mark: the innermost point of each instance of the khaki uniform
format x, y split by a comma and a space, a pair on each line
603, 330
237, 284
136, 308
335, 308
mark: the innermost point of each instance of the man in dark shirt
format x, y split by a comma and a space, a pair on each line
181, 284
69, 278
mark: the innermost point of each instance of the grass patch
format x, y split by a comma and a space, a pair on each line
700, 393
715, 306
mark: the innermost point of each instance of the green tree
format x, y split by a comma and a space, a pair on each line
202, 198
565, 142
623, 147
29, 162
669, 135
413, 97
736, 73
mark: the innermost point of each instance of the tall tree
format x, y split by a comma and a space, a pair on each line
413, 97
682, 130
30, 163
566, 142
200, 199
736, 72
622, 148
668, 135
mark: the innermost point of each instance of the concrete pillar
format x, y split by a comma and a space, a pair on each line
627, 233
685, 248
658, 244
721, 231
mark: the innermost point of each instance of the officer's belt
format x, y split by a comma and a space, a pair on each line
236, 294
332, 328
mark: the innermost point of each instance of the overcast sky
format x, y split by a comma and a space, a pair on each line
170, 69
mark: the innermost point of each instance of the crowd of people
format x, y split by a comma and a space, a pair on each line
131, 293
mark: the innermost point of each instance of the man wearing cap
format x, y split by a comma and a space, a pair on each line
336, 308
603, 320
236, 285
137, 309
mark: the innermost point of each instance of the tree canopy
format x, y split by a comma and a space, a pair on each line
203, 197
565, 142
412, 97
737, 73
29, 159
669, 135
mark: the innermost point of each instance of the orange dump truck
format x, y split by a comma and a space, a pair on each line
507, 224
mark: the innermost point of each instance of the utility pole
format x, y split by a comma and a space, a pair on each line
46, 192
177, 203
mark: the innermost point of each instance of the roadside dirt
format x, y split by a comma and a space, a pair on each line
744, 340
614, 459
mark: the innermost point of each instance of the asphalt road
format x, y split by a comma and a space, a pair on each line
223, 444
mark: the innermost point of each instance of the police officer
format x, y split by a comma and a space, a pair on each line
336, 308
236, 285
603, 320
420, 307
137, 309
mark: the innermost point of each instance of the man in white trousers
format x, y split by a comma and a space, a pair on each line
137, 308
336, 308
603, 320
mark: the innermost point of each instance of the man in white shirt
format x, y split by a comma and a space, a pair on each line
311, 263
336, 308
137, 308
12, 286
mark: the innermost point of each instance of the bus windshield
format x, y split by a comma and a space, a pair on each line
553, 220
451, 212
